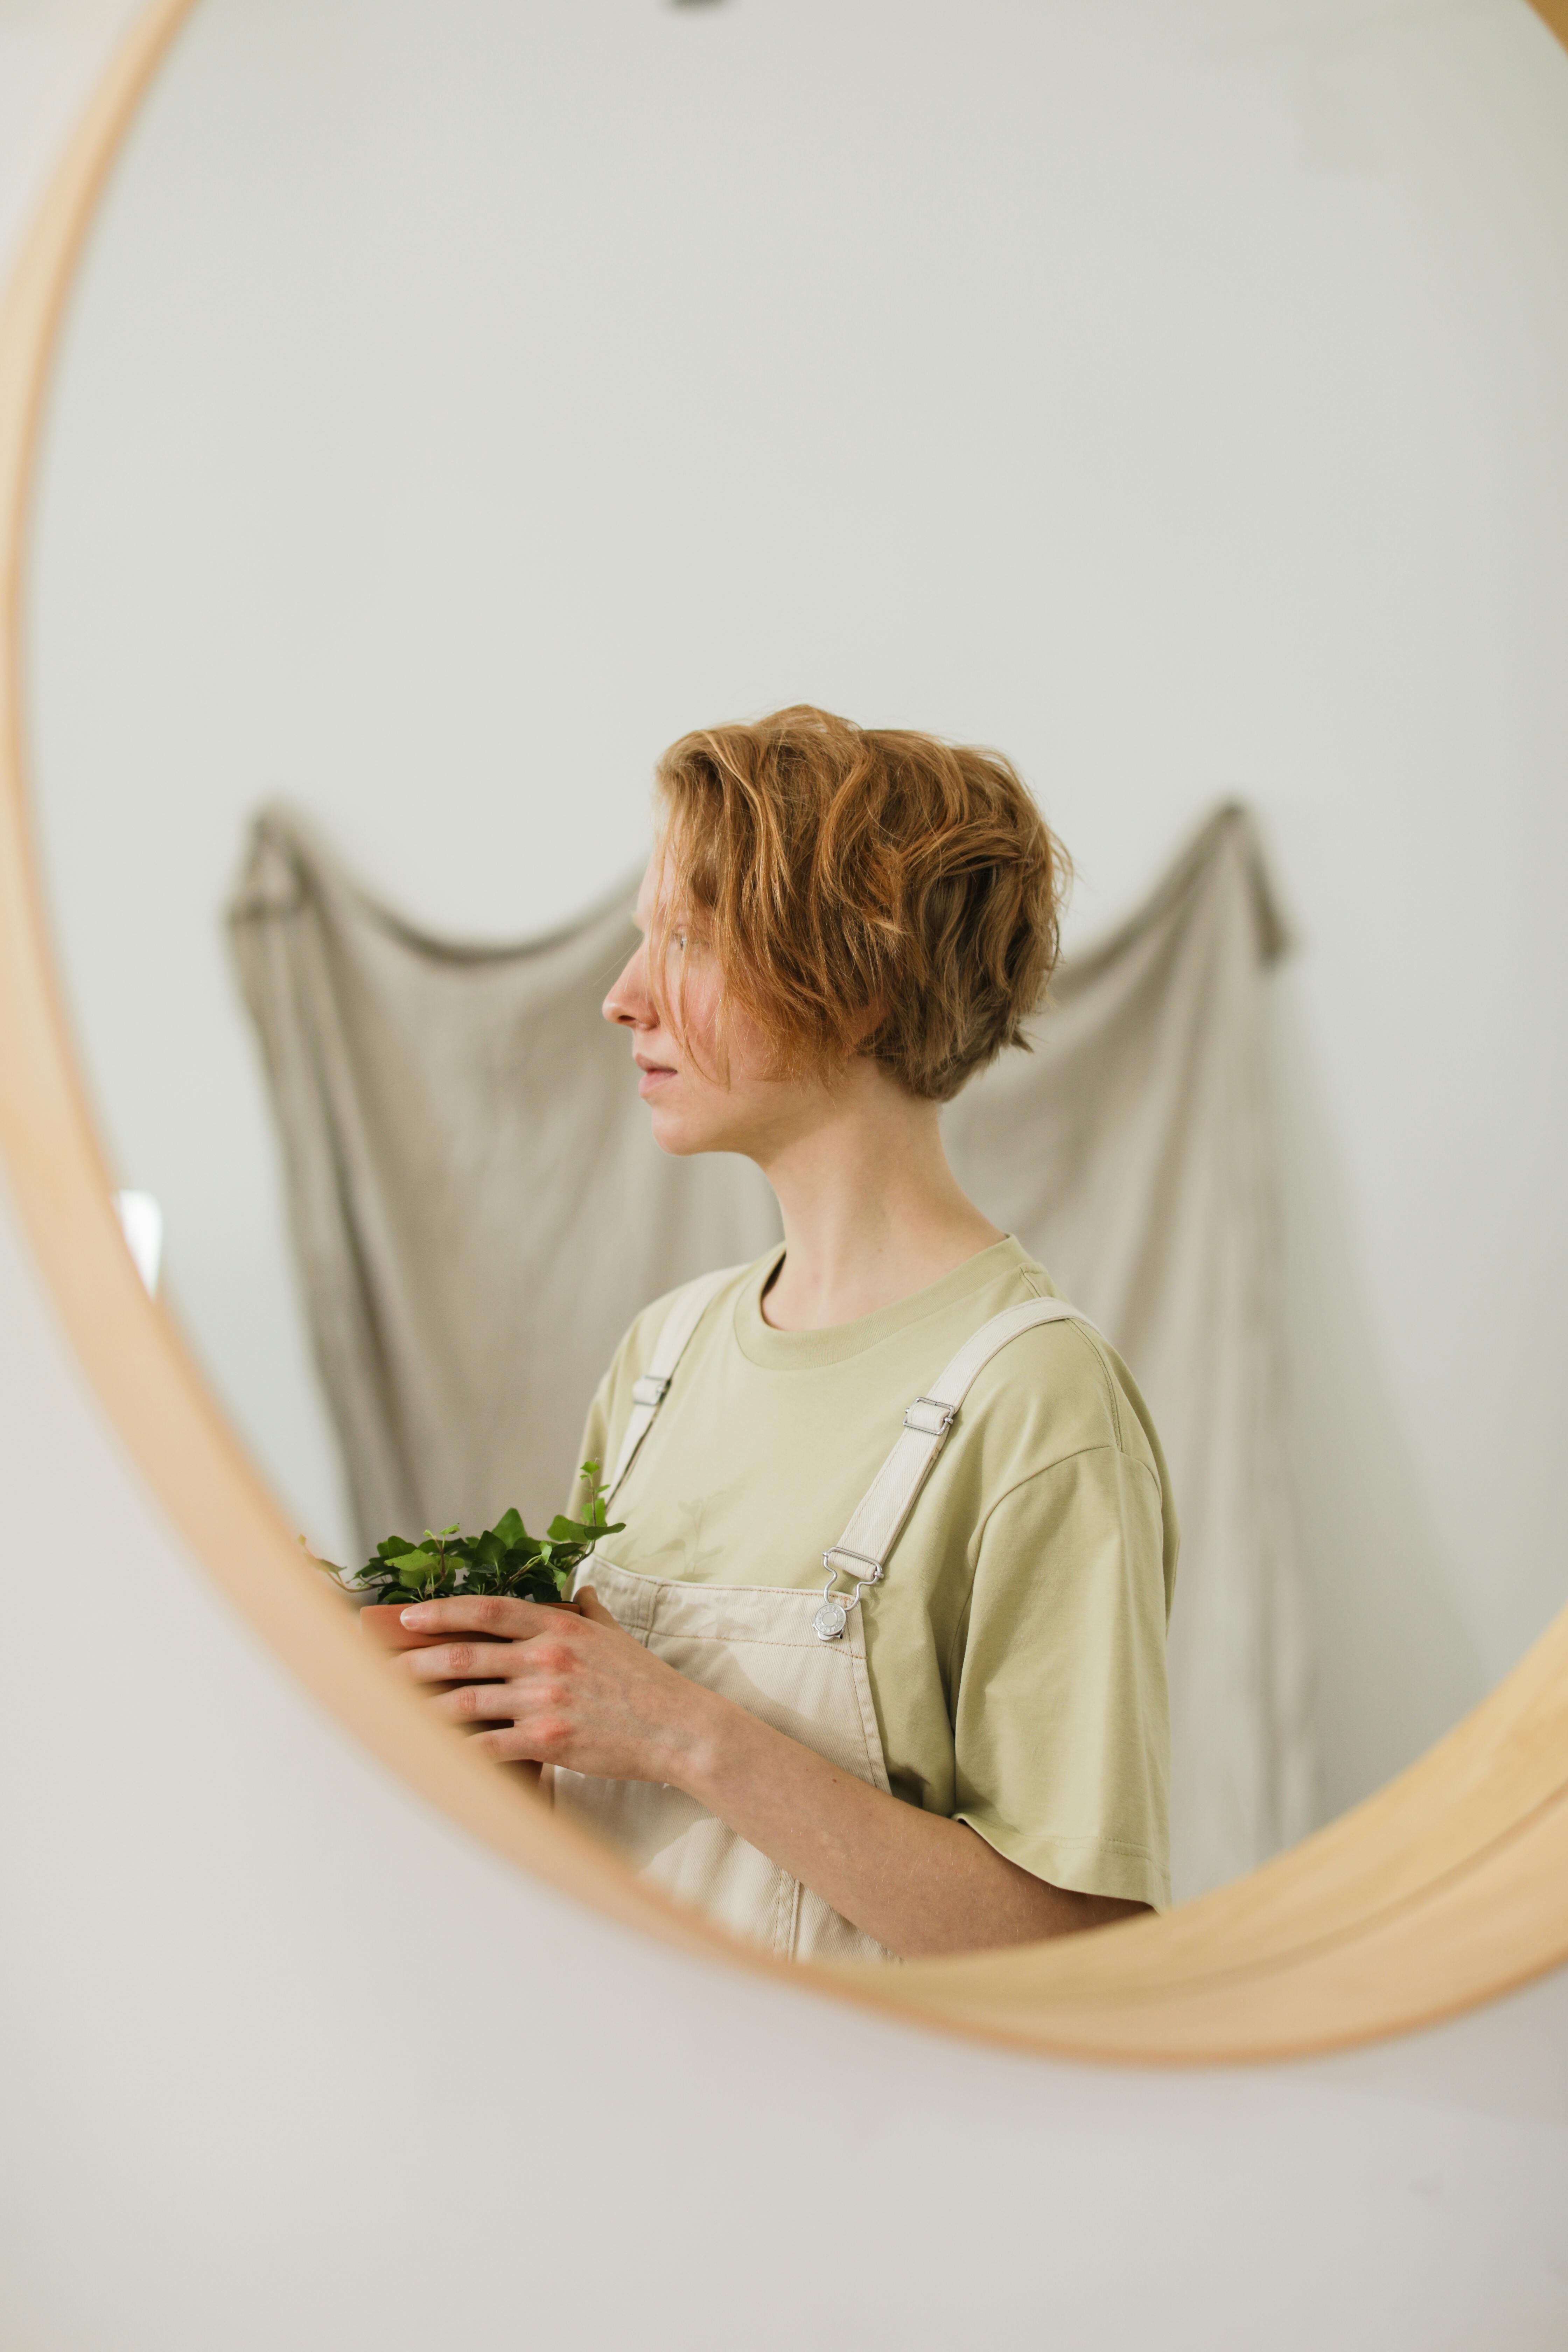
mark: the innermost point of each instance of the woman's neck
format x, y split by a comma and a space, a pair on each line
871, 1211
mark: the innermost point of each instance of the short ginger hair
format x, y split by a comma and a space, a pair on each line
866, 890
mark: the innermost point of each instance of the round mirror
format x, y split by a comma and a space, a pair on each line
454, 405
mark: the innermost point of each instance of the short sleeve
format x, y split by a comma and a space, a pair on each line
1061, 1718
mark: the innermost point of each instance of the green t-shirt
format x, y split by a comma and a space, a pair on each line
1016, 1644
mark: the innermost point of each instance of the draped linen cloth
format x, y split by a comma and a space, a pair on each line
478, 1209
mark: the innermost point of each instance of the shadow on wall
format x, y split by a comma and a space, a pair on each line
1397, 1666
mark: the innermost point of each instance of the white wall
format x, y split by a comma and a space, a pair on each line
223, 2130
1169, 392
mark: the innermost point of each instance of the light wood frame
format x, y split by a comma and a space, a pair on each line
1447, 1887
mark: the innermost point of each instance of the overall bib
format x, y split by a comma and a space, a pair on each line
795, 1661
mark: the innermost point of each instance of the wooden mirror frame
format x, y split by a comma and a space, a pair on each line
1448, 1887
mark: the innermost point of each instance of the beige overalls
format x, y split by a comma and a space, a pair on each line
797, 1662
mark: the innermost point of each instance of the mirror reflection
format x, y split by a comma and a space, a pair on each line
460, 413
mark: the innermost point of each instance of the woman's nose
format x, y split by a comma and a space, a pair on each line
627, 1000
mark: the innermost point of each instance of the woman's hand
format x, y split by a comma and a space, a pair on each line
567, 1687
560, 1686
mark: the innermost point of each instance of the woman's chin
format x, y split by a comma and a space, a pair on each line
681, 1134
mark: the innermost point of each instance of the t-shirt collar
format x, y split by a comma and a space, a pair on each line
806, 1351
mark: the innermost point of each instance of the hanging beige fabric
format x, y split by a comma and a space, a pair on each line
480, 1209
1131, 1153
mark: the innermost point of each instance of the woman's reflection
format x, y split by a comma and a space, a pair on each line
878, 1665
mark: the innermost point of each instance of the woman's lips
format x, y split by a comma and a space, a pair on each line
649, 1080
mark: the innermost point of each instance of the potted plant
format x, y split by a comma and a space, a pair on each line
446, 1566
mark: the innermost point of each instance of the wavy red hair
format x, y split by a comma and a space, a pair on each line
866, 890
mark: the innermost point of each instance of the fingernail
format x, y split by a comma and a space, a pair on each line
414, 1618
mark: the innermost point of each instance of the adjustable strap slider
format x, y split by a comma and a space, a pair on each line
651, 1389
929, 1416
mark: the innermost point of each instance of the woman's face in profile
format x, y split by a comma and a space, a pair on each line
693, 1108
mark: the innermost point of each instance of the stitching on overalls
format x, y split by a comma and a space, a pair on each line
870, 1730
792, 1939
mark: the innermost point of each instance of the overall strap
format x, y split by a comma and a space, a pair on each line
879, 1518
685, 1310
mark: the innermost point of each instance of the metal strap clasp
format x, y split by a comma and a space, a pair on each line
873, 1568
834, 1613
651, 1389
917, 1416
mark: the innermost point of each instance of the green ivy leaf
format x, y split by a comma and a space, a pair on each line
504, 1559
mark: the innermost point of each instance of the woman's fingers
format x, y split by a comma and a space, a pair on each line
481, 1613
506, 1746
589, 1697
472, 1702
461, 1662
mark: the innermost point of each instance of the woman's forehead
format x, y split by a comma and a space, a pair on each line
652, 895
649, 889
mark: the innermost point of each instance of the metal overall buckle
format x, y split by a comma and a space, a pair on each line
834, 1614
943, 1417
